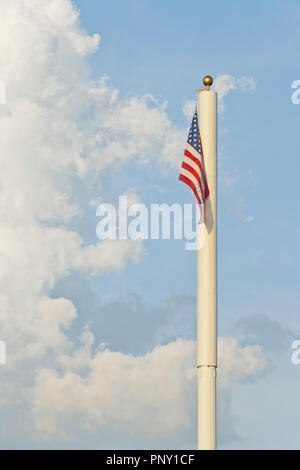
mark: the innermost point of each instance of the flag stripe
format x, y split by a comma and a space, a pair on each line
191, 170
190, 184
193, 158
193, 180
192, 164
193, 151
200, 164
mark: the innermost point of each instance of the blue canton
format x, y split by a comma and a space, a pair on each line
194, 135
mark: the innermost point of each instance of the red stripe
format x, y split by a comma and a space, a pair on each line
194, 172
189, 168
197, 161
191, 185
192, 157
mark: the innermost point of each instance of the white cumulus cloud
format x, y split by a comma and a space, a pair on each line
223, 84
154, 394
59, 129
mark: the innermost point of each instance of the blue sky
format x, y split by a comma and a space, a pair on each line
160, 49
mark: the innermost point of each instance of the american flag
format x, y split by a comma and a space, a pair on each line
192, 169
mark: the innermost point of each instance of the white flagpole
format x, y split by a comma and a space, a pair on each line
207, 275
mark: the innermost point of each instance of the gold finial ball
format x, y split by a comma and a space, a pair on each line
207, 80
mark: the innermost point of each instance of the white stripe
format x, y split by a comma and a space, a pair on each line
194, 165
192, 178
195, 153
